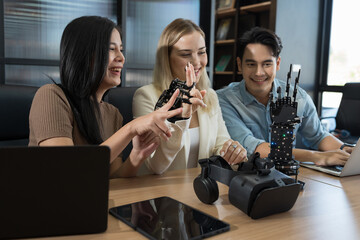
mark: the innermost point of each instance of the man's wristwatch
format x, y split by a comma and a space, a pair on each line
347, 145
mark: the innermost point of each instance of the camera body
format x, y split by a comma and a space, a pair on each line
256, 188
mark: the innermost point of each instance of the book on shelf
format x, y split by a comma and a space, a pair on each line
222, 63
225, 4
223, 29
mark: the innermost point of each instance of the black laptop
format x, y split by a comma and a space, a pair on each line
50, 191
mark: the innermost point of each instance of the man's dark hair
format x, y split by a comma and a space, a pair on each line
262, 36
84, 54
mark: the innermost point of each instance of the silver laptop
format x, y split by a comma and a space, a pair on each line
351, 167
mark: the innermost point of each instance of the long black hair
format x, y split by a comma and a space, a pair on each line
84, 53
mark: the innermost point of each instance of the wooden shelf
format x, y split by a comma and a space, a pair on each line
223, 42
243, 18
225, 13
224, 73
254, 8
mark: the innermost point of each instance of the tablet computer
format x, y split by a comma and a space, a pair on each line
167, 218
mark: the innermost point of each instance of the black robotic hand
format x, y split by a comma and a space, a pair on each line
283, 113
166, 95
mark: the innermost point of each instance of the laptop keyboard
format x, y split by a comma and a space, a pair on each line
336, 168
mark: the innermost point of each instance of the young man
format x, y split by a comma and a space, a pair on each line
246, 107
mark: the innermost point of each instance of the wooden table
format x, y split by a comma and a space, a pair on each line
348, 183
328, 208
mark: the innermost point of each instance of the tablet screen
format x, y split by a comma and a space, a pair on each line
167, 218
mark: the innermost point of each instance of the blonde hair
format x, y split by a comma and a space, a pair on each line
162, 76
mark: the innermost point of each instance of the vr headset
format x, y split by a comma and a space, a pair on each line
256, 188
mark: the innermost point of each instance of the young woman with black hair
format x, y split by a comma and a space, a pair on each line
73, 113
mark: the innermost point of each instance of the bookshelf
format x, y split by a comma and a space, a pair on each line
243, 16
257, 7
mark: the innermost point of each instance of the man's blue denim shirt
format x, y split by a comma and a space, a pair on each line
248, 121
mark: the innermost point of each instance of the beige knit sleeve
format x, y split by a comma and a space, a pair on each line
50, 115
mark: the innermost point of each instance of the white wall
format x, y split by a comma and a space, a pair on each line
297, 24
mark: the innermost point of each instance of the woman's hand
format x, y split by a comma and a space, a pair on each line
197, 96
233, 152
155, 121
143, 146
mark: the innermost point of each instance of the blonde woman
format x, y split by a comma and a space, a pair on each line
200, 131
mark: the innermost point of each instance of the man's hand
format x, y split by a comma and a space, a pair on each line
333, 157
348, 149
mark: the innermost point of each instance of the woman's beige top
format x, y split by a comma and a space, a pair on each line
51, 116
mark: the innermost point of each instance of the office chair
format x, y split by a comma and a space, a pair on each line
348, 116
121, 97
15, 103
